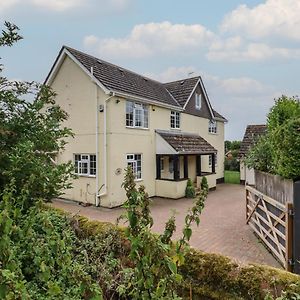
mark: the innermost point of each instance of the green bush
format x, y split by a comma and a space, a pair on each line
278, 152
204, 183
206, 275
190, 189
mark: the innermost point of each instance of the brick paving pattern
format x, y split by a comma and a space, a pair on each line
222, 228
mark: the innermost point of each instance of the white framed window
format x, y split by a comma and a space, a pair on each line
198, 101
136, 115
212, 126
175, 119
135, 162
85, 164
210, 160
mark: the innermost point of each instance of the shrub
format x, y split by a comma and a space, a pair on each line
190, 189
278, 152
204, 183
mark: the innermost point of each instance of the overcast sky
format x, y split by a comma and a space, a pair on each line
247, 52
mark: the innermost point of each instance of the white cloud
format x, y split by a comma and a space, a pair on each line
272, 18
148, 39
64, 5
6, 4
57, 5
243, 51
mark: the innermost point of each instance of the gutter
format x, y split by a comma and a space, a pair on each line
145, 100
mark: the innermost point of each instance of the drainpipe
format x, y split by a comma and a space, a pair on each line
111, 94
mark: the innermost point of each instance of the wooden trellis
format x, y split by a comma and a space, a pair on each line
272, 222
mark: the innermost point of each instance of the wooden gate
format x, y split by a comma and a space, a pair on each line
272, 221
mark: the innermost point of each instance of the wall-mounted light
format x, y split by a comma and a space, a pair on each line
117, 101
153, 107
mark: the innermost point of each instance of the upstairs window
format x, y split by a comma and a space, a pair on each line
85, 164
198, 101
135, 162
136, 115
212, 126
175, 120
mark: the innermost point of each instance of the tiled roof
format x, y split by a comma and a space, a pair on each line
118, 79
252, 133
217, 115
186, 143
182, 89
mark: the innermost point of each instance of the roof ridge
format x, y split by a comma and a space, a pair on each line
187, 78
114, 65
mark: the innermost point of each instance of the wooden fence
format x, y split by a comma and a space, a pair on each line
272, 221
274, 186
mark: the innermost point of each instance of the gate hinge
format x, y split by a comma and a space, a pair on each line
291, 212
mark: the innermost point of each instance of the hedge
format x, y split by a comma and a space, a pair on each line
212, 276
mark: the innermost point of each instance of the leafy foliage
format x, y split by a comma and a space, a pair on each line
278, 151
155, 258
37, 247
189, 190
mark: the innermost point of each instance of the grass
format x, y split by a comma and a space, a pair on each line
232, 177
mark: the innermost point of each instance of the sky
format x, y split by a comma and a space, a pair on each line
247, 52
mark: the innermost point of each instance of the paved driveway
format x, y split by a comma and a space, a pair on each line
222, 228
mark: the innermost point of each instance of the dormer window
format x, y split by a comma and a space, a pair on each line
212, 126
198, 101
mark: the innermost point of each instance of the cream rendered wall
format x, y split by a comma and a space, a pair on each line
76, 94
242, 170
122, 141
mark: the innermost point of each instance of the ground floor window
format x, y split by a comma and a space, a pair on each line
135, 162
85, 164
210, 159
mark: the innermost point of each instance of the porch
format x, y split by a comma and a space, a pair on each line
179, 157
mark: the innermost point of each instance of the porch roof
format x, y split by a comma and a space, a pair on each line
186, 143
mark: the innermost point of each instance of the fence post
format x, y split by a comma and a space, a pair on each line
289, 237
296, 241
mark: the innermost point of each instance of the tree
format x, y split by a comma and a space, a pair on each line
30, 136
37, 247
278, 151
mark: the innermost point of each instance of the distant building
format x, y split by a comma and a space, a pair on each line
252, 134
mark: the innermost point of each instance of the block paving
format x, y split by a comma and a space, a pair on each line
222, 228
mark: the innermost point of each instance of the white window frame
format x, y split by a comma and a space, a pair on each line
210, 160
132, 160
198, 101
212, 127
175, 119
85, 164
140, 113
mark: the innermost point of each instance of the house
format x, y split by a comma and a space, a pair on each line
167, 132
252, 134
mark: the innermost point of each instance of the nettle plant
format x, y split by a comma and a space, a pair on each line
156, 258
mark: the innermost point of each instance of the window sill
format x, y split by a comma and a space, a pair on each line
138, 180
214, 133
88, 176
175, 129
139, 128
